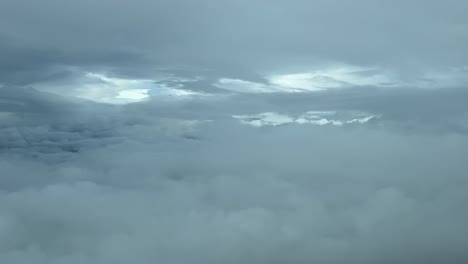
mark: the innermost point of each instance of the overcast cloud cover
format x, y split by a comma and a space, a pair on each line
216, 131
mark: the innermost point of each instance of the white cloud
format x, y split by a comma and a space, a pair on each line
320, 118
345, 76
102, 88
134, 94
265, 119
342, 76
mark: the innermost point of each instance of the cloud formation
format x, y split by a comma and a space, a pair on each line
177, 131
137, 184
136, 39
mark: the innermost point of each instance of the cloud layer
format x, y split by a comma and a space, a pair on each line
233, 38
135, 183
248, 131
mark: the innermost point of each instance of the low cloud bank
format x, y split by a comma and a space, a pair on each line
83, 182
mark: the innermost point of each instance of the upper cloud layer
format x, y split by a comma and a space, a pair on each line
133, 39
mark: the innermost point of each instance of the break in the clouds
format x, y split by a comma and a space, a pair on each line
312, 117
242, 131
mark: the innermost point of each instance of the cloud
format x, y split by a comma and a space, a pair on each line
242, 86
147, 185
135, 39
346, 77
312, 117
337, 77
233, 131
101, 88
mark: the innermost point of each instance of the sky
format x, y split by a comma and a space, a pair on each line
215, 131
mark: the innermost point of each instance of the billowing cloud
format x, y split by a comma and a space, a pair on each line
134, 183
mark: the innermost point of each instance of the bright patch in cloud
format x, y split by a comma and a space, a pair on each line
340, 77
115, 90
264, 119
105, 89
320, 118
136, 94
332, 78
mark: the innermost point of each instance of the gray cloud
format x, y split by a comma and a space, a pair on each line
233, 131
144, 185
237, 37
